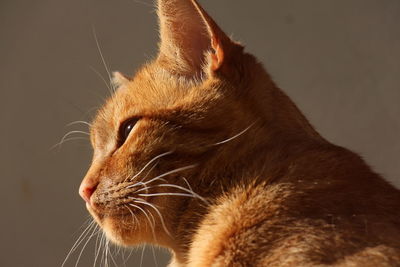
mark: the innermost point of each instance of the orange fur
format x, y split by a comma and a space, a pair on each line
268, 189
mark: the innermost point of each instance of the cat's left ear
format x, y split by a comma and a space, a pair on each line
119, 79
191, 42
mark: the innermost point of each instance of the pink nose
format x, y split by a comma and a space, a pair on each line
87, 189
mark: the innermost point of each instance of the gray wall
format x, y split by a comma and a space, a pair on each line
339, 60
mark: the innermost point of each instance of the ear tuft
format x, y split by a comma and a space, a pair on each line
119, 79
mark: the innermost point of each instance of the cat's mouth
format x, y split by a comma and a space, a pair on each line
130, 199
114, 201
130, 205
120, 208
122, 223
137, 210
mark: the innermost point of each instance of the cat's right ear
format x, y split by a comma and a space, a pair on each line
192, 44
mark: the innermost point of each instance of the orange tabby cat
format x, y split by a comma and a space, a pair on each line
201, 153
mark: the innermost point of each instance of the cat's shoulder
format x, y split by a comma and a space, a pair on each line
262, 224
236, 222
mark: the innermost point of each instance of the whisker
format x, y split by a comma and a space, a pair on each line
147, 174
102, 245
129, 256
78, 241
102, 78
154, 256
167, 194
152, 225
111, 255
97, 249
133, 216
67, 140
136, 198
73, 132
137, 184
234, 137
158, 212
106, 252
65, 137
78, 122
141, 256
101, 55
183, 189
171, 172
146, 188
125, 258
150, 162
187, 183
118, 251
141, 183
84, 246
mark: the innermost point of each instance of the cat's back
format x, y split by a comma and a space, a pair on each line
341, 214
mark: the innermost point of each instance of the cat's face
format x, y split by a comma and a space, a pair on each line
154, 125
161, 130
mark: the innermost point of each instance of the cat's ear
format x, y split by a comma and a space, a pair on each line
119, 79
191, 42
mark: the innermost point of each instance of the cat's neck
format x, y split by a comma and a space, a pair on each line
270, 158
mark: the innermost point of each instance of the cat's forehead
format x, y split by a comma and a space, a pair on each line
154, 84
150, 91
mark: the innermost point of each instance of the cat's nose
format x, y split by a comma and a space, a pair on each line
87, 189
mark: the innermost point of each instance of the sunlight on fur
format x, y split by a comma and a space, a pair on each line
201, 153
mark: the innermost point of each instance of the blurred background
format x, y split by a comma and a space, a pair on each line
339, 61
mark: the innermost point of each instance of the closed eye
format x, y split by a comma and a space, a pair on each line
125, 129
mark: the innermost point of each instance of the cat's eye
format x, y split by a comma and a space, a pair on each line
125, 129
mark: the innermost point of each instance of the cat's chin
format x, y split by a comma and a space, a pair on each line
113, 227
115, 233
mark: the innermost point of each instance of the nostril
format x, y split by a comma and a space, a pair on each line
86, 191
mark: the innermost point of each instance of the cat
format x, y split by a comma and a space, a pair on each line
200, 152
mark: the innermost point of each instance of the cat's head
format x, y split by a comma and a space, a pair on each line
158, 140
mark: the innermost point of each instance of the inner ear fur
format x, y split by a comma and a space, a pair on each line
191, 41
